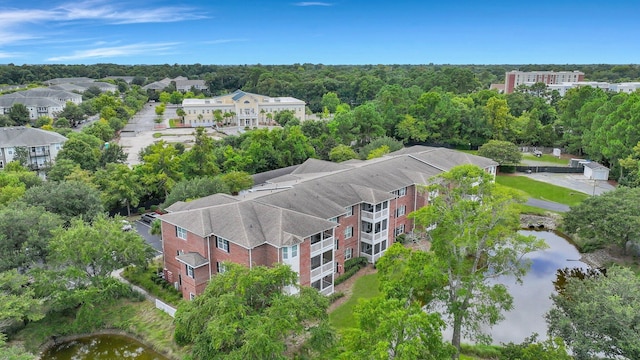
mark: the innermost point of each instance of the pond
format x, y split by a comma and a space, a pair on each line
531, 300
101, 347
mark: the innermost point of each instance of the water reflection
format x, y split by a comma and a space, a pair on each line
531, 299
101, 347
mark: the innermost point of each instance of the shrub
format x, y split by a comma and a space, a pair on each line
335, 296
150, 280
402, 238
347, 274
355, 262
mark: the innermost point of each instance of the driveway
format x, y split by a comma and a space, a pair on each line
143, 230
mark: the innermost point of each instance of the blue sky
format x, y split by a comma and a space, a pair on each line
326, 32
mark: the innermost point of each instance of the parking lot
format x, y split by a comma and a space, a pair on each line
577, 182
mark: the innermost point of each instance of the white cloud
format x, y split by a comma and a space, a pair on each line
117, 51
7, 55
312, 3
18, 24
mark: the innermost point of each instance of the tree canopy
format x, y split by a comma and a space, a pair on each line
598, 315
245, 313
472, 226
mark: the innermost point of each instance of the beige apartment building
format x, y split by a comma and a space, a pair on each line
239, 108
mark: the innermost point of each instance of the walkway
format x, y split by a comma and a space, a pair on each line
548, 205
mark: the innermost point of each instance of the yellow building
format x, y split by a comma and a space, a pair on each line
239, 108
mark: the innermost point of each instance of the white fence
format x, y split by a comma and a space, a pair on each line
166, 308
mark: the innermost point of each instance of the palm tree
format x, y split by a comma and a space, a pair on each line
262, 114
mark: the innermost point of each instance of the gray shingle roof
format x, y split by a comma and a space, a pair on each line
9, 101
193, 259
25, 136
319, 191
211, 200
249, 223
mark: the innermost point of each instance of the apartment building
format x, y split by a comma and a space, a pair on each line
515, 78
42, 146
240, 108
313, 218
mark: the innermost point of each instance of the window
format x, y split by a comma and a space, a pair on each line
401, 210
190, 271
349, 210
399, 230
383, 245
294, 251
348, 253
222, 244
337, 244
334, 220
367, 207
400, 192
220, 268
376, 249
348, 232
315, 262
181, 233
192, 296
365, 248
1, 164
285, 253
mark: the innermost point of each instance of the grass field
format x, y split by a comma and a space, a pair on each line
365, 287
546, 158
541, 190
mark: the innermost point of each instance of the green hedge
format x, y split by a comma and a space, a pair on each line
355, 262
335, 296
150, 280
351, 267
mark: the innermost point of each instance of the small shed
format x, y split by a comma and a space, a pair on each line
595, 171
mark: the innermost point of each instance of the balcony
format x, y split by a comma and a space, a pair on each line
322, 270
327, 291
39, 152
322, 245
374, 216
373, 238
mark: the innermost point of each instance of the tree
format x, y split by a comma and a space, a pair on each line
81, 152
237, 181
13, 352
19, 114
200, 160
68, 199
245, 313
26, 232
499, 118
599, 315
72, 112
18, 302
101, 130
610, 218
89, 250
388, 328
196, 188
162, 167
112, 154
119, 185
367, 123
531, 349
503, 152
330, 101
342, 153
472, 225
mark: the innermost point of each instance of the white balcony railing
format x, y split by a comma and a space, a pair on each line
374, 216
320, 271
371, 237
327, 290
322, 245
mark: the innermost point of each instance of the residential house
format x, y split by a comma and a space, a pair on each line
41, 146
39, 101
313, 218
245, 108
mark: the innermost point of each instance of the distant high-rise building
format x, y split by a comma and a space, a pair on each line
514, 78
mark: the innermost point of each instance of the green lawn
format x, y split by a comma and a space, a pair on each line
365, 287
541, 190
546, 158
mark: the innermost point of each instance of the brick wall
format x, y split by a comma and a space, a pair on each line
305, 263
344, 243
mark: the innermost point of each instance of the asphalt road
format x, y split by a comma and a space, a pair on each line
154, 240
548, 205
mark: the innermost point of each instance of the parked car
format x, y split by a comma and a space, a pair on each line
148, 218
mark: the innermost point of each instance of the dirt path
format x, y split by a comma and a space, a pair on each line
347, 287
